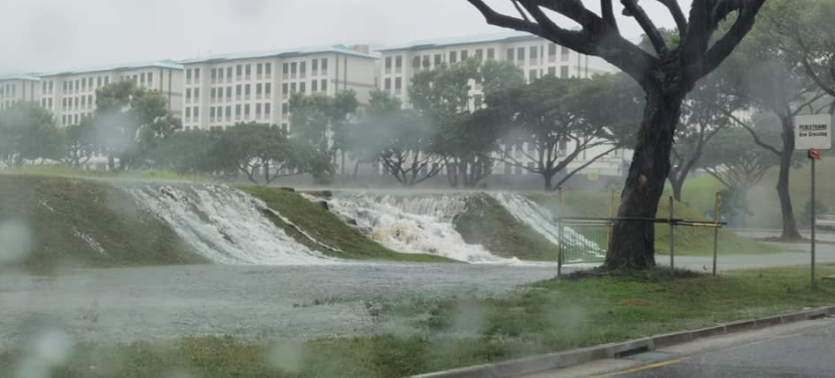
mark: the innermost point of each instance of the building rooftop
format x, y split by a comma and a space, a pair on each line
444, 42
279, 53
117, 67
28, 76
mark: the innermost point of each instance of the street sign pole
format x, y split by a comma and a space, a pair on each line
814, 158
813, 133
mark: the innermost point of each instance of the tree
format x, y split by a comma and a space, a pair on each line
700, 122
263, 149
195, 152
467, 135
665, 76
129, 123
739, 164
321, 121
551, 113
398, 138
80, 143
808, 25
772, 79
28, 133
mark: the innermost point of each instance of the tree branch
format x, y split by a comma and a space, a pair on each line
753, 133
647, 25
726, 44
608, 13
584, 166
494, 18
519, 9
678, 16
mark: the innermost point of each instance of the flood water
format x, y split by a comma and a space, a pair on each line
123, 305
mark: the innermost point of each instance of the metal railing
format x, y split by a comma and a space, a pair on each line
586, 240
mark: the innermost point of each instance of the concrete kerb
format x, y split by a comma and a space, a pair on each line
536, 364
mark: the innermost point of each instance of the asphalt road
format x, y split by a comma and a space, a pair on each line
799, 350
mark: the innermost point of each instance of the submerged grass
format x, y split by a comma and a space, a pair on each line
62, 221
327, 228
543, 317
488, 223
689, 241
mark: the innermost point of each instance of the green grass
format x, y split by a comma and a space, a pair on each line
688, 241
544, 317
763, 202
70, 172
327, 228
60, 213
488, 223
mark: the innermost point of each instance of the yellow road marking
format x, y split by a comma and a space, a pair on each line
640, 369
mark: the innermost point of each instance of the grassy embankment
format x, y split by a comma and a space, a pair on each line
70, 172
58, 221
544, 317
688, 241
762, 199
327, 228
487, 223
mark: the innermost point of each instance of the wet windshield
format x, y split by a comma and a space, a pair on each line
378, 189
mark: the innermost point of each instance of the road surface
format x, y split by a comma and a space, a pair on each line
799, 350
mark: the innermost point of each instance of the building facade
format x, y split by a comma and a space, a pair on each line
535, 57
71, 95
223, 90
14, 89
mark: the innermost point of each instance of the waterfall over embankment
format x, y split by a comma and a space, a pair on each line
542, 221
413, 224
225, 225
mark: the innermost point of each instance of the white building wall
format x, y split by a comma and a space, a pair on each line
72, 96
14, 90
269, 92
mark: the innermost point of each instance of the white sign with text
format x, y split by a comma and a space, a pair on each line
813, 132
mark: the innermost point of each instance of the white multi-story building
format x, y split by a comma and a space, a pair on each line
17, 88
223, 90
71, 94
535, 56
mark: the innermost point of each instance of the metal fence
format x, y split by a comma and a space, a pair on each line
586, 240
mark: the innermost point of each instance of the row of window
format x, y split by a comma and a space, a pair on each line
46, 103
513, 54
316, 86
87, 84
8, 90
76, 103
241, 72
47, 87
140, 79
73, 119
242, 111
290, 68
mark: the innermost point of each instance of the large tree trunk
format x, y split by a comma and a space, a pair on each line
790, 231
549, 180
632, 245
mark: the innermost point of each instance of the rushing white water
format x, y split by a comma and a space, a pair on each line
224, 225
413, 224
542, 221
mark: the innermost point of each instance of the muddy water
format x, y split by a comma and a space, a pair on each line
280, 301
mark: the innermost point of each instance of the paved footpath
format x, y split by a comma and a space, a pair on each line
796, 350
796, 254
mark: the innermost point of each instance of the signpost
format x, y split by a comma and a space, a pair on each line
813, 133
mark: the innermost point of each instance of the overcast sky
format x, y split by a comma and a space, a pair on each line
43, 35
